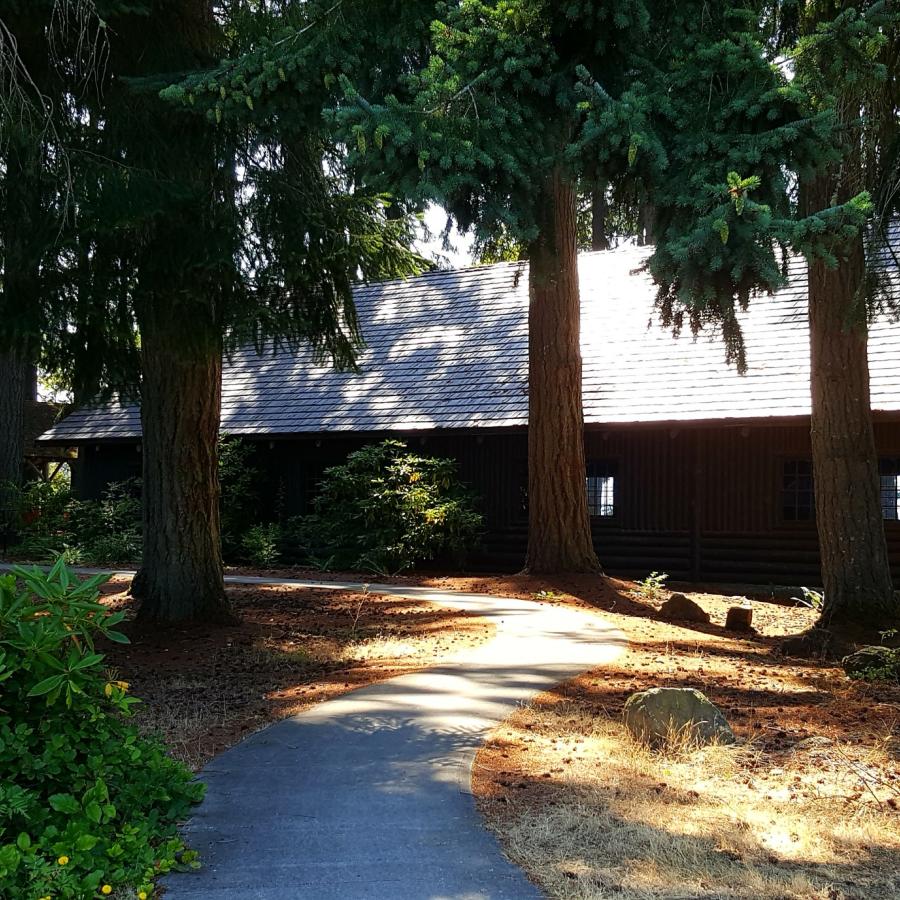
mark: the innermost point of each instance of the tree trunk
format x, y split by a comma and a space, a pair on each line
184, 257
181, 574
559, 531
599, 211
855, 569
13, 382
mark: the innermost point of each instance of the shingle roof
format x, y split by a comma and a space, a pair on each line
449, 350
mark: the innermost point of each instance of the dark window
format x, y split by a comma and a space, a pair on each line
889, 470
601, 489
797, 503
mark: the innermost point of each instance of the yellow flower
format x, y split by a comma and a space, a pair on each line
106, 889
142, 895
63, 860
122, 685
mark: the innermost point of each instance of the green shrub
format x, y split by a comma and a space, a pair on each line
39, 518
386, 509
239, 481
108, 530
52, 523
84, 800
261, 544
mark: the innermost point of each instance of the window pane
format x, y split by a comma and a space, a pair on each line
797, 495
600, 493
890, 496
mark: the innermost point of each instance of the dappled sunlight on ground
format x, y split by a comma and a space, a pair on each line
807, 805
205, 687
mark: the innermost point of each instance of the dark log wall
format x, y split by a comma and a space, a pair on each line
697, 502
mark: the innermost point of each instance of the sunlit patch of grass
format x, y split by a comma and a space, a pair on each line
607, 817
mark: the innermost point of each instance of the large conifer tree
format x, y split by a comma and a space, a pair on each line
805, 117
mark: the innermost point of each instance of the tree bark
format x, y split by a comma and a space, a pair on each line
181, 576
183, 257
13, 370
559, 531
855, 569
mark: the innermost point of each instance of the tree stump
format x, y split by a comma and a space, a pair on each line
740, 618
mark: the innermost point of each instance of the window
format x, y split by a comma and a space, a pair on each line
889, 471
601, 489
797, 499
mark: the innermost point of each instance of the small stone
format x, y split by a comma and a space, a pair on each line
739, 618
660, 715
683, 608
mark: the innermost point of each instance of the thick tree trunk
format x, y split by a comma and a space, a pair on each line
184, 258
13, 390
855, 570
599, 212
181, 575
559, 532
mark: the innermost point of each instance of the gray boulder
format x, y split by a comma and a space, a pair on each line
659, 715
682, 608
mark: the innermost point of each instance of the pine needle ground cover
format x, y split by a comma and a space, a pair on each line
205, 687
806, 805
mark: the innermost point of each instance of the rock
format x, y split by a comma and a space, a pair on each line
683, 608
657, 716
739, 618
873, 662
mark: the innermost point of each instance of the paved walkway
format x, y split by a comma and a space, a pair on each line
367, 797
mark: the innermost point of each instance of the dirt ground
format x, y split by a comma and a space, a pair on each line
204, 687
807, 805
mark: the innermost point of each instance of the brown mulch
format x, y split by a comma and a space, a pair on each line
204, 687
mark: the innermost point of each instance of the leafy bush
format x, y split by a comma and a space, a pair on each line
386, 509
38, 512
109, 530
261, 544
85, 801
238, 479
52, 523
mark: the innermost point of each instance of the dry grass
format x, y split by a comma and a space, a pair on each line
616, 820
806, 805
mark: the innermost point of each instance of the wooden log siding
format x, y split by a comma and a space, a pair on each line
696, 501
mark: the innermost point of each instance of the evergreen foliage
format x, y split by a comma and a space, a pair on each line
386, 509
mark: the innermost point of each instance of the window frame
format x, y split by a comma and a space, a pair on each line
882, 460
781, 462
611, 467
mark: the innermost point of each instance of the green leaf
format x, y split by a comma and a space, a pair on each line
86, 842
47, 685
64, 803
23, 841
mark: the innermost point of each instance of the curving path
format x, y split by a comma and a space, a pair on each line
367, 797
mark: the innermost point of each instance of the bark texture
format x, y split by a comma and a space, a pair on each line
855, 569
183, 259
181, 575
13, 390
559, 531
